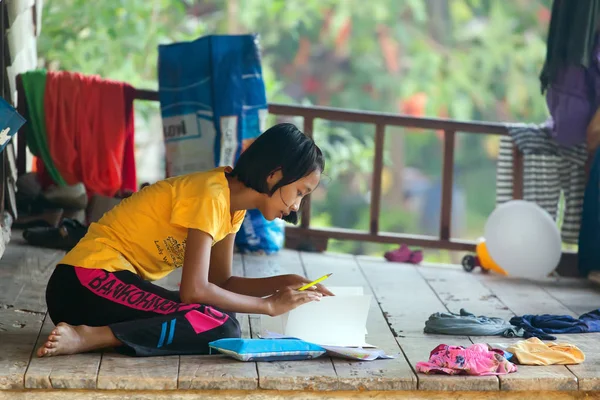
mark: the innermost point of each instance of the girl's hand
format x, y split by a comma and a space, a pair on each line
297, 281
288, 298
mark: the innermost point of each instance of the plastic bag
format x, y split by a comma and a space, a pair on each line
213, 106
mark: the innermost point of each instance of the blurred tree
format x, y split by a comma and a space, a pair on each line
461, 59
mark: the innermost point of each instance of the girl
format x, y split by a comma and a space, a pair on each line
101, 295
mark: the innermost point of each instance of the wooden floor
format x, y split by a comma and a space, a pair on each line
406, 295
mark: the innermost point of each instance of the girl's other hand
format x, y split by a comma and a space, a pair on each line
288, 298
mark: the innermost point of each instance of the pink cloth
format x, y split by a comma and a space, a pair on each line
477, 359
404, 255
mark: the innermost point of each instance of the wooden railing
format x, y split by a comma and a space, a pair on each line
380, 121
307, 237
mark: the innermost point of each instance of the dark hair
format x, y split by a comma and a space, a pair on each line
282, 147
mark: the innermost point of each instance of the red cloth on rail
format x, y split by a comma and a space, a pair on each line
129, 173
89, 123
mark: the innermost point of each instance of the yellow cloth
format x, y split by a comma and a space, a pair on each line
146, 233
535, 352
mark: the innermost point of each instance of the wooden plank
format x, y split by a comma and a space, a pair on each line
24, 273
418, 349
217, 371
408, 301
18, 332
393, 374
316, 374
77, 371
523, 296
578, 295
405, 298
527, 297
118, 372
588, 372
287, 395
138, 373
458, 289
529, 377
173, 280
307, 375
237, 269
284, 262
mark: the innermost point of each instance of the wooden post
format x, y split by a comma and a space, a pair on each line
447, 183
376, 180
309, 123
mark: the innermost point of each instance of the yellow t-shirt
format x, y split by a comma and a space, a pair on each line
146, 233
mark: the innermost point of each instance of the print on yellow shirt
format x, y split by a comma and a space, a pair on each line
172, 252
146, 233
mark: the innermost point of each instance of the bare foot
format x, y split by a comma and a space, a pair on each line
69, 339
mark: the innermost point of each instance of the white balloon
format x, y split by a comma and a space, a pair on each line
523, 239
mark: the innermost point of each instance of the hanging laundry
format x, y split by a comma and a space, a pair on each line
33, 90
571, 73
544, 326
588, 259
86, 129
548, 168
571, 37
128, 171
468, 324
477, 359
535, 352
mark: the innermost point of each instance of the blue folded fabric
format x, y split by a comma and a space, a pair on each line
267, 349
543, 326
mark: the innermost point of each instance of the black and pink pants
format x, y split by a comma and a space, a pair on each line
148, 319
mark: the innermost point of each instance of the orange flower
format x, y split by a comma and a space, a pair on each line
414, 105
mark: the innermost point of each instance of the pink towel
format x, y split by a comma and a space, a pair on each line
477, 359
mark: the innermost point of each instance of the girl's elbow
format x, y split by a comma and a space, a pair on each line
195, 295
190, 297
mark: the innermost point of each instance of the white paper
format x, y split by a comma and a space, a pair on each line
357, 353
338, 320
347, 290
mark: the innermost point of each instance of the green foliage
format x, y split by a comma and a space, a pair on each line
467, 59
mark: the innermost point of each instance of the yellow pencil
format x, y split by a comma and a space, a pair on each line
309, 285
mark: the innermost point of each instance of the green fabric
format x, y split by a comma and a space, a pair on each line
34, 85
571, 36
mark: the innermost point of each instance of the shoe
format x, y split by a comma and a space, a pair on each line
404, 255
64, 237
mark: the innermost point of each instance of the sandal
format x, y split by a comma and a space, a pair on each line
64, 237
404, 255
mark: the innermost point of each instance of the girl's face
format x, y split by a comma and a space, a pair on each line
288, 198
